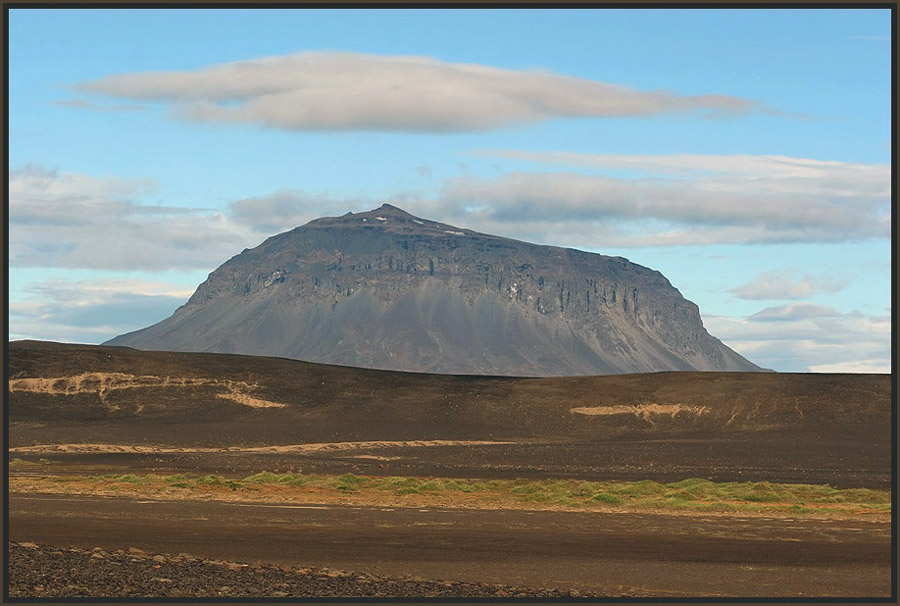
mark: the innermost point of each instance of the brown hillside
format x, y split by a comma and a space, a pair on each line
787, 427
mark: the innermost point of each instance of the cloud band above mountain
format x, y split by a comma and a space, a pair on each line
678, 199
61, 219
71, 220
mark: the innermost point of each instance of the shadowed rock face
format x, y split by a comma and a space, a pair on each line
387, 290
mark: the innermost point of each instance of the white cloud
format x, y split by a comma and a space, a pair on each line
83, 292
801, 337
353, 91
92, 311
785, 285
79, 221
286, 209
793, 312
680, 199
766, 173
48, 197
857, 366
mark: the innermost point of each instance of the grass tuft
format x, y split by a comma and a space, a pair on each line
605, 497
407, 490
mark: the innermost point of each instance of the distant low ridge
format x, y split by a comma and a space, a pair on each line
387, 290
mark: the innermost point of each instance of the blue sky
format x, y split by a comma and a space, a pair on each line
743, 153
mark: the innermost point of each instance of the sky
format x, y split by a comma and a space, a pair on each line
744, 153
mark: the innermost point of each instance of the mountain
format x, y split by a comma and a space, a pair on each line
387, 290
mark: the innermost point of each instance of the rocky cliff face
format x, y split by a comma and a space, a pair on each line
387, 290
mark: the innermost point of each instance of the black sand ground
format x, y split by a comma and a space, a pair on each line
211, 410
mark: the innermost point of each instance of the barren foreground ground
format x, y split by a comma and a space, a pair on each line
82, 412
47, 571
598, 553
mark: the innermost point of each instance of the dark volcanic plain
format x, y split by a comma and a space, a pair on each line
94, 409
664, 426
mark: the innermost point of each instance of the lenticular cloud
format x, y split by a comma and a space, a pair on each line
352, 91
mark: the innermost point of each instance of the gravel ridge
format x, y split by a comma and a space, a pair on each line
43, 571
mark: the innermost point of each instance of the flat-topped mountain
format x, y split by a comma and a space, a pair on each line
387, 290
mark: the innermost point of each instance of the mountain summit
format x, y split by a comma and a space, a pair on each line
384, 289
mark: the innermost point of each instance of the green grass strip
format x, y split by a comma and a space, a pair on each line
690, 494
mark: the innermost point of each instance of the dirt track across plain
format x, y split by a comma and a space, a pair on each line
612, 553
